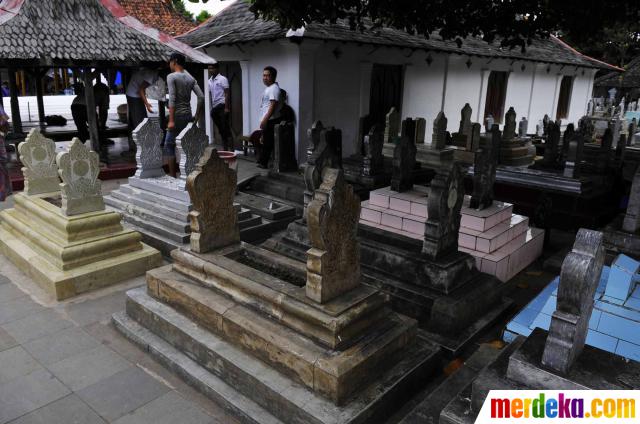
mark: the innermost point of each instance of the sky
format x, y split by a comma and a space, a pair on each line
212, 6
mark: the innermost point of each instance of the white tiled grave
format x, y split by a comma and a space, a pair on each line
500, 241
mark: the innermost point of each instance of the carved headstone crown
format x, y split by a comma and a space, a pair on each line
148, 136
439, 138
333, 261
38, 154
190, 145
579, 278
392, 125
509, 130
484, 174
80, 189
465, 120
373, 162
211, 187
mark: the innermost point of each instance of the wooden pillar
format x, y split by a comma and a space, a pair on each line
15, 106
91, 109
38, 74
56, 80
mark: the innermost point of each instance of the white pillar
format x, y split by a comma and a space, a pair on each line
533, 82
552, 114
208, 124
246, 95
484, 81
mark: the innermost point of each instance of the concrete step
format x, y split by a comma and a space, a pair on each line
158, 206
134, 213
284, 398
225, 395
147, 226
169, 202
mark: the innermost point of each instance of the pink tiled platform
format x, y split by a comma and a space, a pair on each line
401, 213
501, 242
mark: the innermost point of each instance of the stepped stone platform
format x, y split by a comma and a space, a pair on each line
66, 240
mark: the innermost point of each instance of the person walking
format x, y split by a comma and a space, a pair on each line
220, 105
137, 103
180, 84
270, 107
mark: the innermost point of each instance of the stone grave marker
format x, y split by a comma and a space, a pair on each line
80, 189
190, 145
579, 278
488, 123
38, 154
404, 160
631, 221
284, 152
465, 121
364, 125
545, 123
333, 261
373, 162
214, 220
408, 129
552, 146
567, 137
392, 125
444, 202
421, 127
439, 138
523, 127
509, 131
577, 162
484, 175
147, 136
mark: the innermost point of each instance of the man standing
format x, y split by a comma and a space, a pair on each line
180, 84
137, 102
220, 104
270, 107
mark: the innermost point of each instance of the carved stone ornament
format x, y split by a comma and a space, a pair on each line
148, 136
38, 154
81, 189
190, 145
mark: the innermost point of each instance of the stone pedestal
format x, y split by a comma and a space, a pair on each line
69, 255
502, 242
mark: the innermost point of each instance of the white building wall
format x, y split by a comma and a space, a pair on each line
580, 95
463, 86
519, 91
543, 99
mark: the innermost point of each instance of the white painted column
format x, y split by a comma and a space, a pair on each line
533, 82
484, 81
246, 95
556, 92
208, 122
592, 73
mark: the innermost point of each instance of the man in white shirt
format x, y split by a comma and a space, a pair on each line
137, 102
220, 104
270, 107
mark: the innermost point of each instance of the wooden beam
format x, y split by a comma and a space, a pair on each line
39, 95
91, 109
15, 106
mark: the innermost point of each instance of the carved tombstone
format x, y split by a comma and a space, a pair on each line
80, 189
392, 125
551, 146
333, 261
465, 121
421, 127
284, 149
586, 128
190, 145
408, 129
545, 123
373, 162
38, 154
439, 138
621, 149
523, 127
488, 123
484, 174
539, 129
577, 162
631, 221
148, 136
579, 278
325, 150
509, 131
444, 202
211, 187
567, 137
404, 161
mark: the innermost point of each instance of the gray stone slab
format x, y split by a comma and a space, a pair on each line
86, 368
68, 410
165, 186
28, 393
18, 309
96, 310
36, 325
6, 341
122, 393
150, 197
16, 362
4, 280
170, 408
9, 292
61, 345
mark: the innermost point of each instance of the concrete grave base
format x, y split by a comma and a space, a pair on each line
617, 241
69, 255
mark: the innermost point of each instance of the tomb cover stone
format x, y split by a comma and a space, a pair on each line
190, 145
392, 125
80, 189
333, 261
404, 160
484, 175
211, 187
579, 278
148, 136
444, 202
373, 162
38, 154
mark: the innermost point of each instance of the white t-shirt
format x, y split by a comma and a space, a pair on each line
148, 75
272, 92
217, 86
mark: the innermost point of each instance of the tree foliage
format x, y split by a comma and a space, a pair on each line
203, 16
179, 6
511, 22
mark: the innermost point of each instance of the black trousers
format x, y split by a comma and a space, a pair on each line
221, 121
79, 113
268, 140
136, 111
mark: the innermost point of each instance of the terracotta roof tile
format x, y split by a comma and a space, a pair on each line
158, 14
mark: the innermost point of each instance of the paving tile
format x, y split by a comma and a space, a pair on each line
619, 327
122, 393
16, 362
601, 341
86, 368
18, 308
628, 350
633, 303
542, 321
169, 408
9, 292
526, 316
28, 393
6, 341
61, 345
68, 410
96, 310
595, 319
36, 325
